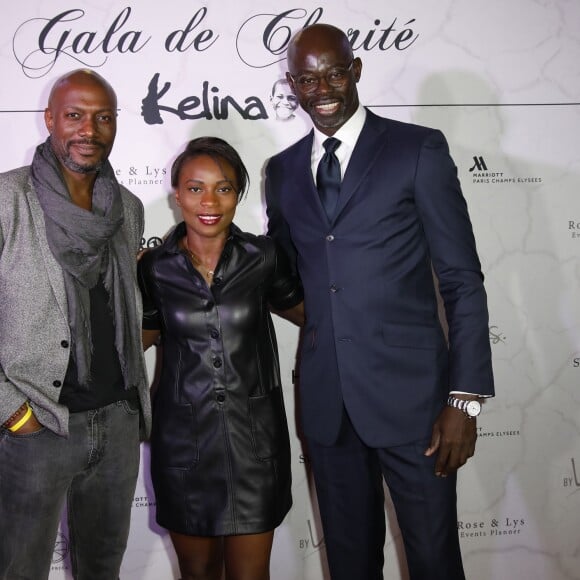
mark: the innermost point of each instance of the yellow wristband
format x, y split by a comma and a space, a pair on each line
23, 420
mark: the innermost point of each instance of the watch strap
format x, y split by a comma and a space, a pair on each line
461, 405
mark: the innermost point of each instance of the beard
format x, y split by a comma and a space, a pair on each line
334, 121
64, 155
86, 168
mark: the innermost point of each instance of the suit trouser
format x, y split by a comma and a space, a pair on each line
349, 484
94, 470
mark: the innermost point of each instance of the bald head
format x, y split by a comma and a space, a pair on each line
323, 74
316, 38
81, 77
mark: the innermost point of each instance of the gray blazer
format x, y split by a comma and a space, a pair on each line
34, 330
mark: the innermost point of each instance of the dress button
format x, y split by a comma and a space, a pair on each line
64, 343
56, 384
330, 238
220, 397
214, 333
217, 363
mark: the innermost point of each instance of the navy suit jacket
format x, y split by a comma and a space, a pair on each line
373, 340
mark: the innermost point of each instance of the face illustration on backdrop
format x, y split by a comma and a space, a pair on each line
283, 100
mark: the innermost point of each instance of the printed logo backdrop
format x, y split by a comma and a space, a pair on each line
500, 79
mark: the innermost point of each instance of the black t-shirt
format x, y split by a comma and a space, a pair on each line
106, 385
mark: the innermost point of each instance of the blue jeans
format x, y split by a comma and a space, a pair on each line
94, 470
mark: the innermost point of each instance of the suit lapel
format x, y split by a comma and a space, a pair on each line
53, 269
304, 180
368, 147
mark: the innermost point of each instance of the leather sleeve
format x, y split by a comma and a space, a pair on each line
285, 289
151, 318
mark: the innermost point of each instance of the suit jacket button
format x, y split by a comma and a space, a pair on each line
217, 363
221, 397
56, 384
333, 288
330, 238
64, 343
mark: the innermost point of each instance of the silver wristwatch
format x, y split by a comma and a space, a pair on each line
470, 408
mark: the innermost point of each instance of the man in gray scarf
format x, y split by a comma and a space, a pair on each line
73, 389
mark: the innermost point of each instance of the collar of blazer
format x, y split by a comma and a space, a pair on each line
47, 260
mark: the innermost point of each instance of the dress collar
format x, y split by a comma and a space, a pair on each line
171, 243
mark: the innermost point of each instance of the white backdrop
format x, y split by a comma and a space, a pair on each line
501, 79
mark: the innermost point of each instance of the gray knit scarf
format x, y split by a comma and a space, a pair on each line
88, 244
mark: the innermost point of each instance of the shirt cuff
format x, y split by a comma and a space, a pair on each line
473, 394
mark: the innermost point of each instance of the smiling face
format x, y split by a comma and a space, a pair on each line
206, 192
323, 75
81, 119
283, 100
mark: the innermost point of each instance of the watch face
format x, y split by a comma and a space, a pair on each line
473, 408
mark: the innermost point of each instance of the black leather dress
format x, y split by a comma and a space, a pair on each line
220, 452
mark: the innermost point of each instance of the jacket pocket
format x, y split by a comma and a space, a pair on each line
410, 336
268, 424
174, 438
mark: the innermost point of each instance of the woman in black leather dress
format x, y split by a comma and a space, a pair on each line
220, 453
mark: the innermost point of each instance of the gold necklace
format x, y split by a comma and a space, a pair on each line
197, 262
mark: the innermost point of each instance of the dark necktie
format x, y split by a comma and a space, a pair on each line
328, 176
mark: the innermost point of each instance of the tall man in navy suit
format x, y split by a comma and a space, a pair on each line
368, 220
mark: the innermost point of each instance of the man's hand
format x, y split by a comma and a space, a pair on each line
454, 436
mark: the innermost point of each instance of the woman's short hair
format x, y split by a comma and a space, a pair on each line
218, 150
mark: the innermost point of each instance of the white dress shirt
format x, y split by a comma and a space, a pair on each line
348, 135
